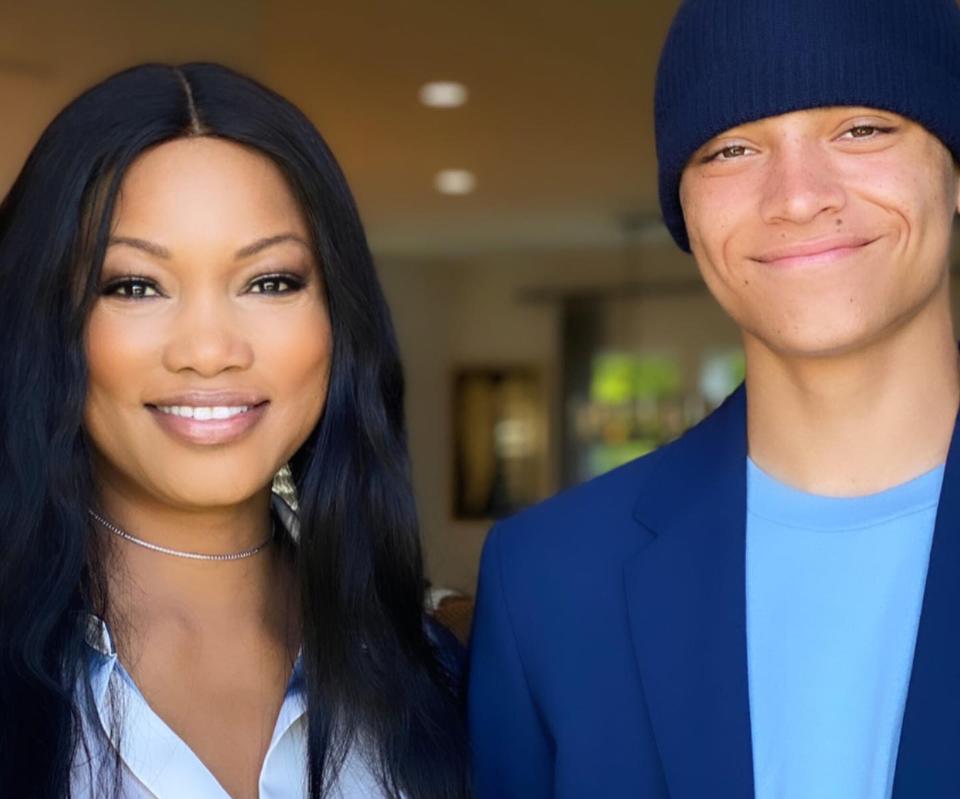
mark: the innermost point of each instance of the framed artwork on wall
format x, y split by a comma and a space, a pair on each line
499, 437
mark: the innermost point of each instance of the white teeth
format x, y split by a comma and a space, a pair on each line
203, 414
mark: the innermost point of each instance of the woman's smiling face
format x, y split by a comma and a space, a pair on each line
209, 346
819, 231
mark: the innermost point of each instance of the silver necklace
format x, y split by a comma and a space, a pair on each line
246, 553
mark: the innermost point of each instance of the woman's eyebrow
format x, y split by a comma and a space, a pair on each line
244, 252
141, 244
262, 244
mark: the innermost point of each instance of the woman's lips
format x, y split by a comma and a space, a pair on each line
209, 431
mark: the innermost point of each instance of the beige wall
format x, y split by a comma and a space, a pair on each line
474, 312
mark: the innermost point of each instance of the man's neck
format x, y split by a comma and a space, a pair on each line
857, 423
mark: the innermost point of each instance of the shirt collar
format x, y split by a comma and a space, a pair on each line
97, 635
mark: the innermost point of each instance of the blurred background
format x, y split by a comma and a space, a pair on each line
549, 327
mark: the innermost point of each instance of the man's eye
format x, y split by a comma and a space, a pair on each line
734, 151
133, 288
728, 153
866, 131
276, 284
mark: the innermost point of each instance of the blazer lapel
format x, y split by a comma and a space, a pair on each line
686, 597
928, 762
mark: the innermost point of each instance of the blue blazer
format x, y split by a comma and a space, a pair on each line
609, 652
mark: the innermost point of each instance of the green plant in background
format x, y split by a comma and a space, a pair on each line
638, 401
620, 378
629, 393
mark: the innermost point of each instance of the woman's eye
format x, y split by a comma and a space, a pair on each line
276, 284
133, 288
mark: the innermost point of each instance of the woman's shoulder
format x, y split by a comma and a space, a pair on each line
450, 652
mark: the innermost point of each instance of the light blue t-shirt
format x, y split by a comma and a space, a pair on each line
834, 591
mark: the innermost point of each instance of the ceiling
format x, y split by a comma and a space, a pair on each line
558, 128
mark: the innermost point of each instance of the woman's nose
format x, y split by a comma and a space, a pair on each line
208, 338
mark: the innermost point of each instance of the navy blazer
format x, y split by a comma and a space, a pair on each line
609, 652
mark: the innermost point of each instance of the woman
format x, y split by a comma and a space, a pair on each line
187, 305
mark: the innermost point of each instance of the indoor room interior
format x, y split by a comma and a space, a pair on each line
549, 326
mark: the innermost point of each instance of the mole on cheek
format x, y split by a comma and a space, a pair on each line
839, 222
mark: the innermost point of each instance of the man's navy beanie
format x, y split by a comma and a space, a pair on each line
728, 62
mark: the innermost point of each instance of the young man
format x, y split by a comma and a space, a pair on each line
769, 606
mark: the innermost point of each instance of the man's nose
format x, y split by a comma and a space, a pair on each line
801, 184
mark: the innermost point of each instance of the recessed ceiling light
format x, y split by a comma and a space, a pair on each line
443, 94
455, 181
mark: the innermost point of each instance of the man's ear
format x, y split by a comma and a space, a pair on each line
956, 175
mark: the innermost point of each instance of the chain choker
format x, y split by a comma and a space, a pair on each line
119, 531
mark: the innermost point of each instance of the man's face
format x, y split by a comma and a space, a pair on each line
821, 231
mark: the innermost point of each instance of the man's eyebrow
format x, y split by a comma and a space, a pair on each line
262, 244
141, 244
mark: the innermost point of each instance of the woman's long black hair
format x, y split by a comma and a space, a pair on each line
373, 674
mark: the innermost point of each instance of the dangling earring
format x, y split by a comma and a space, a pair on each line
284, 486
